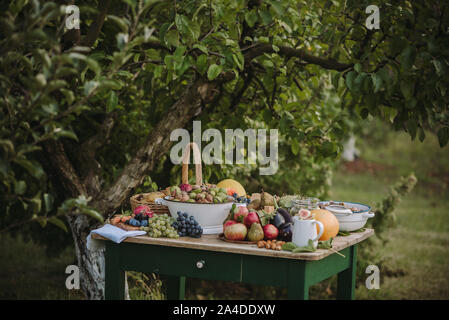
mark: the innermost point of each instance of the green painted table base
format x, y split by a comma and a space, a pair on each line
178, 263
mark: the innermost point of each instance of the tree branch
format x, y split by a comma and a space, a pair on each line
158, 143
298, 53
96, 26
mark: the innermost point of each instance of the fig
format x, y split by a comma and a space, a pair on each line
185, 187
304, 214
256, 232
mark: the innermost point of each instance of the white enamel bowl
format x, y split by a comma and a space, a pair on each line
348, 220
210, 216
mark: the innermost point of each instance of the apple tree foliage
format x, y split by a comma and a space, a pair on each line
85, 114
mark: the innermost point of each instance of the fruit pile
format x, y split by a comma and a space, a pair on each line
271, 244
187, 226
242, 199
207, 193
161, 226
256, 225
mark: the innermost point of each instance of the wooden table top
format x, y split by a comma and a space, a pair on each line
212, 243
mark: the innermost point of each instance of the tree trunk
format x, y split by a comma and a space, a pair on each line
92, 263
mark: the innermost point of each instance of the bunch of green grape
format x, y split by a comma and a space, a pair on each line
159, 226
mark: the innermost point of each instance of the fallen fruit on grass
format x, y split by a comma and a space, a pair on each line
236, 232
255, 232
270, 231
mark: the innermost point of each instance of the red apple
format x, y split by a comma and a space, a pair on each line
228, 223
236, 231
251, 217
270, 231
243, 212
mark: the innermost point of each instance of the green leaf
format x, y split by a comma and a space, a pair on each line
20, 187
295, 147
377, 82
266, 16
66, 134
239, 60
443, 136
201, 63
92, 213
251, 18
350, 80
59, 223
214, 71
89, 87
201, 47
112, 101
407, 89
172, 38
48, 202
309, 248
33, 167
325, 244
407, 57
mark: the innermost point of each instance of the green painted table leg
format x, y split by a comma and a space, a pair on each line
298, 288
114, 275
346, 278
175, 287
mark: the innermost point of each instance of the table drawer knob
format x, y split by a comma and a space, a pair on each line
200, 264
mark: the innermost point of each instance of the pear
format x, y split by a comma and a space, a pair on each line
255, 232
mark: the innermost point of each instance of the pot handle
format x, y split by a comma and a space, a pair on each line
196, 160
368, 215
159, 201
321, 230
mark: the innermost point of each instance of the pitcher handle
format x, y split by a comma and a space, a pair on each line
321, 230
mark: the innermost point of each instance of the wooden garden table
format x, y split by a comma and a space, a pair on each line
211, 258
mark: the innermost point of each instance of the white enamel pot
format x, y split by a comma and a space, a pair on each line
348, 220
210, 216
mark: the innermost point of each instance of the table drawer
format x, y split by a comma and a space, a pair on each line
181, 261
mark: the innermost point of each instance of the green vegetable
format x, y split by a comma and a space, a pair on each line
325, 244
289, 246
309, 248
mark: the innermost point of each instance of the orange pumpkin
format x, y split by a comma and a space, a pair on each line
329, 221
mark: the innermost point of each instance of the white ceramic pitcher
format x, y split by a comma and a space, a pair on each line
304, 230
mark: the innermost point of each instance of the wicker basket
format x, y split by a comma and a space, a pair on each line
139, 199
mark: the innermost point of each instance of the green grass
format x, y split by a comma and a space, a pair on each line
27, 273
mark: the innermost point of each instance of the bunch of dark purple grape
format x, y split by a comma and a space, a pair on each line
187, 226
